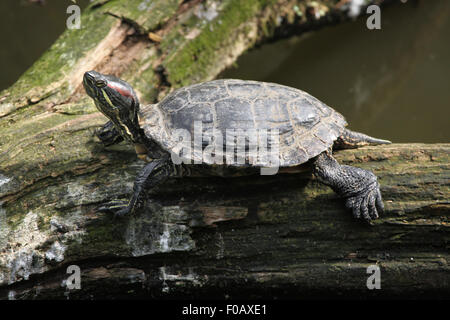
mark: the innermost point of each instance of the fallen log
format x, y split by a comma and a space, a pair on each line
265, 236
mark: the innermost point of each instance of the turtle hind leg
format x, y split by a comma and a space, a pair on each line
351, 139
357, 186
150, 176
108, 134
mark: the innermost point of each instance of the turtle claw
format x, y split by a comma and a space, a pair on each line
119, 207
367, 203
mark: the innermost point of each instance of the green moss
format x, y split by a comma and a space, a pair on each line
13, 134
78, 108
193, 58
58, 59
145, 14
43, 224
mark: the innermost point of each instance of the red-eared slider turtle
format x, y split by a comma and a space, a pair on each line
307, 131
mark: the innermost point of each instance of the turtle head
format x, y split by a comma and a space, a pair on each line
117, 100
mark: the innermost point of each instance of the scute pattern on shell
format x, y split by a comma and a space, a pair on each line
306, 125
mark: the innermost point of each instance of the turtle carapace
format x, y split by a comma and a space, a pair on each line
307, 131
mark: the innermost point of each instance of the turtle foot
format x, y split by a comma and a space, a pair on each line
119, 207
359, 187
367, 203
108, 134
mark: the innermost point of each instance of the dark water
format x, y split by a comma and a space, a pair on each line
392, 83
27, 31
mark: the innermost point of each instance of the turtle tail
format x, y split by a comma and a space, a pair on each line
351, 139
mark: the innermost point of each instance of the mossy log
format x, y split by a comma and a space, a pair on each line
285, 235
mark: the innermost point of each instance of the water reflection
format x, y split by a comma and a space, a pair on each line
391, 83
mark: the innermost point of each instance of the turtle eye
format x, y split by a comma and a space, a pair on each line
100, 83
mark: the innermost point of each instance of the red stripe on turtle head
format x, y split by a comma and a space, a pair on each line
122, 90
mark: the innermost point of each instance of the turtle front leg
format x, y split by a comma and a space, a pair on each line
108, 134
357, 186
150, 176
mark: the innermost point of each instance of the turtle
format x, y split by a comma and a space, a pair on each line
307, 131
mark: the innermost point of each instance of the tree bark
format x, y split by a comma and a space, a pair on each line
284, 235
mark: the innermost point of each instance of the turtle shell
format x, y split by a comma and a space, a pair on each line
292, 125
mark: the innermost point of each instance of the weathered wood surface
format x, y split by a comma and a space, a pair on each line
279, 235
266, 236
